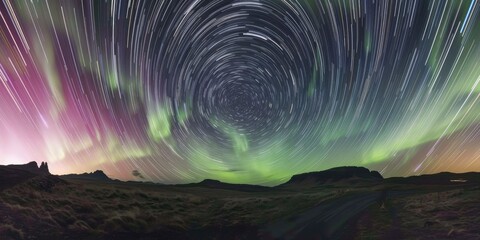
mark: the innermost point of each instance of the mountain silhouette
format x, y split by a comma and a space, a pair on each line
32, 167
333, 175
443, 178
98, 175
12, 175
216, 184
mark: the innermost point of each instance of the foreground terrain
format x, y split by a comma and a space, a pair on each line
44, 206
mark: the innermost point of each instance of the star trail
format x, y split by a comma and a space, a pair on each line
243, 91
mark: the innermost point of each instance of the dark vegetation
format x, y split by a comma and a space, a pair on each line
37, 205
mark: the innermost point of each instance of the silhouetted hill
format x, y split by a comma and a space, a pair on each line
338, 174
12, 175
442, 178
98, 175
210, 183
32, 167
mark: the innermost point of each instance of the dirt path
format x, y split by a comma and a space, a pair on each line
378, 221
323, 221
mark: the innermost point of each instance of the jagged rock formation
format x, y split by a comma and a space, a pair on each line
44, 168
338, 174
12, 175
32, 167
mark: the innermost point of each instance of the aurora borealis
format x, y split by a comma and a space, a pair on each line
243, 91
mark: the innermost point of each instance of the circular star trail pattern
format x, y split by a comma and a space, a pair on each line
239, 90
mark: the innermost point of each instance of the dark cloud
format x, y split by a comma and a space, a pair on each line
137, 174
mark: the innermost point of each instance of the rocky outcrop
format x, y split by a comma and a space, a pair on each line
44, 168
12, 175
32, 167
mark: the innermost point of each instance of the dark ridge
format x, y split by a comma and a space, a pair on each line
210, 183
12, 175
98, 175
32, 167
338, 174
443, 178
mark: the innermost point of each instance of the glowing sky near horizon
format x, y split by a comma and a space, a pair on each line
244, 91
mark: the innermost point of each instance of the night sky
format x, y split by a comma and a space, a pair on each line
240, 91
